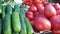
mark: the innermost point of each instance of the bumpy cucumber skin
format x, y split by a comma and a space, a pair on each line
7, 25
17, 8
9, 9
23, 25
29, 27
0, 25
16, 22
3, 12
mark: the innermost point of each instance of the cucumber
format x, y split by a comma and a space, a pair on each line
0, 8
29, 27
15, 33
7, 24
9, 9
1, 0
17, 8
3, 12
23, 25
0, 25
16, 22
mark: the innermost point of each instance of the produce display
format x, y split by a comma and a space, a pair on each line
29, 17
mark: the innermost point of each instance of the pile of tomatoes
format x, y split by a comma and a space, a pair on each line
43, 15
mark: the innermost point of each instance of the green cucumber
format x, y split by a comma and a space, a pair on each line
23, 25
23, 9
3, 12
7, 24
17, 8
29, 27
15, 33
9, 9
0, 25
0, 8
16, 22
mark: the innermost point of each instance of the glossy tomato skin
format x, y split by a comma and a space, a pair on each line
29, 15
33, 8
56, 31
58, 12
49, 11
27, 2
56, 6
36, 1
32, 22
40, 8
55, 21
42, 24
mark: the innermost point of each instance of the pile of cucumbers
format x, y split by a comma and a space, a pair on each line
13, 20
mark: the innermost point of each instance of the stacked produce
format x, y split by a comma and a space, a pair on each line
13, 19
29, 17
44, 15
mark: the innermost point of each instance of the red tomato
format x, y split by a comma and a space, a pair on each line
40, 9
42, 24
44, 3
49, 11
56, 31
57, 6
33, 8
55, 21
58, 12
36, 1
36, 14
27, 2
32, 22
29, 15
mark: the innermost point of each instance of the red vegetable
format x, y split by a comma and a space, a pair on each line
33, 8
58, 12
55, 21
56, 31
36, 1
32, 22
29, 15
27, 2
40, 9
49, 11
42, 24
57, 6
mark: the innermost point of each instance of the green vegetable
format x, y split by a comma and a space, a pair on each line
7, 24
29, 27
0, 25
3, 12
9, 9
23, 26
1, 0
16, 22
17, 8
15, 33
23, 9
0, 8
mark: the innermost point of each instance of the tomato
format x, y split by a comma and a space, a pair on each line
42, 24
36, 1
57, 6
40, 8
49, 11
56, 31
33, 8
32, 22
58, 12
29, 15
36, 15
27, 2
55, 21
